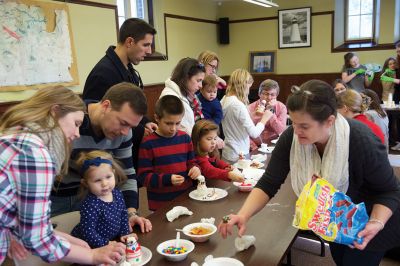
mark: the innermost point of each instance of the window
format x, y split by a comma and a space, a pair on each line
359, 20
131, 9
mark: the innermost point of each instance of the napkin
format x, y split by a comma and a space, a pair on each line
177, 211
210, 220
244, 242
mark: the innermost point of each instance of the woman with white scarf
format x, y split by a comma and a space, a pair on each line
348, 155
35, 136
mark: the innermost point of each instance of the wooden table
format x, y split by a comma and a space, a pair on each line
271, 227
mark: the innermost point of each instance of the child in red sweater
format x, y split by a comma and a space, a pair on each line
204, 138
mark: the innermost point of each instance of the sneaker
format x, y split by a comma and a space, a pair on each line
396, 147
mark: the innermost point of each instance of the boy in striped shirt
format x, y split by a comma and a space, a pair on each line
166, 157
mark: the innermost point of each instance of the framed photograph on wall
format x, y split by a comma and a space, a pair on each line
262, 62
294, 27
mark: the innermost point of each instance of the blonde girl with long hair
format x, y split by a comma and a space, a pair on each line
34, 147
104, 217
236, 123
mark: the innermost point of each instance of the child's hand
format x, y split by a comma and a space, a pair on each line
359, 71
387, 79
235, 176
194, 172
124, 238
230, 168
177, 180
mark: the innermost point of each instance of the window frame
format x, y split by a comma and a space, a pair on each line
363, 40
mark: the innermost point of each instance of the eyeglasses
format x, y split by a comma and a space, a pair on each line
272, 94
213, 66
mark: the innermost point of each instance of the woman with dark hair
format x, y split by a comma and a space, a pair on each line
376, 114
354, 74
339, 86
348, 155
186, 80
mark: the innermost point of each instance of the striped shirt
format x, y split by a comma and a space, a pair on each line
160, 158
120, 148
26, 176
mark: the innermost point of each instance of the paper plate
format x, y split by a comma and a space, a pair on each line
274, 141
253, 173
146, 257
267, 150
223, 261
213, 194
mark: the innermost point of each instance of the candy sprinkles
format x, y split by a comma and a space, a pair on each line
174, 250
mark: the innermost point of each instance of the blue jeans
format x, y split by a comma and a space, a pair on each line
345, 256
61, 205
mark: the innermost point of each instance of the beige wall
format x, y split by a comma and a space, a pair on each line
94, 30
185, 38
263, 35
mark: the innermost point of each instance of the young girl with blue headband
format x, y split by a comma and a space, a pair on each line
103, 213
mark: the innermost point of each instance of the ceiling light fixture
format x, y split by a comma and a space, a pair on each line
264, 3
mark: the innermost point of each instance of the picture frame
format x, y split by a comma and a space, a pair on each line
262, 62
294, 27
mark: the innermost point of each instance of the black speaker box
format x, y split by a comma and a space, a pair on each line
223, 30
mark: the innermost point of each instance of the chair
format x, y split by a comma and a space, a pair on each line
64, 223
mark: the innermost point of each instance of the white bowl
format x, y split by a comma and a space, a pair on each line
175, 257
199, 238
223, 261
245, 186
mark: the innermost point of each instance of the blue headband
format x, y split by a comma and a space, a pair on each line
93, 162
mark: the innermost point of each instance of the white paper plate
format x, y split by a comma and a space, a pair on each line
211, 196
267, 150
253, 173
146, 257
223, 261
274, 141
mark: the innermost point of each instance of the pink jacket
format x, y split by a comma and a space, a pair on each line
275, 125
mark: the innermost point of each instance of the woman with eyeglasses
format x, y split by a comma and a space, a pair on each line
210, 61
236, 122
268, 93
186, 80
348, 155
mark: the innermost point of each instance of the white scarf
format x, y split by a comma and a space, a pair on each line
334, 166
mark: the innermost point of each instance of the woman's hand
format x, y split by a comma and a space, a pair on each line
371, 229
17, 250
109, 255
228, 221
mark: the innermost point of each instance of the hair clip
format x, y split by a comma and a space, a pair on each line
295, 89
93, 162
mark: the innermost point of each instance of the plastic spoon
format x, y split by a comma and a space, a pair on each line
178, 239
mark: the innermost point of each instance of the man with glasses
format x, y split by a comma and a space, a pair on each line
106, 126
268, 93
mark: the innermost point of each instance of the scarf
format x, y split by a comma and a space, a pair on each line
196, 107
334, 165
53, 139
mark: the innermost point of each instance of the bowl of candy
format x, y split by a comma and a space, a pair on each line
199, 232
174, 250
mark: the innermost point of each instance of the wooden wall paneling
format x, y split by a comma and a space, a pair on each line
152, 93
